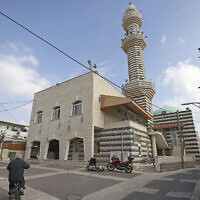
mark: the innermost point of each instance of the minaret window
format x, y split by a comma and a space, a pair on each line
140, 66
138, 53
141, 78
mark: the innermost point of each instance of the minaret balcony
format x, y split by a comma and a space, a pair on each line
131, 17
133, 39
139, 88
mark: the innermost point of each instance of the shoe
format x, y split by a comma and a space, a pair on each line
21, 191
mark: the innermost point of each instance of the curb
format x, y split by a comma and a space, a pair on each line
196, 192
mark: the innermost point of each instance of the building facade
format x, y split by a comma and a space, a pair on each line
167, 120
86, 116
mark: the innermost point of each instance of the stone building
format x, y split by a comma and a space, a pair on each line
166, 119
87, 116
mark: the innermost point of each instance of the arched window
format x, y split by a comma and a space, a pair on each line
39, 117
77, 108
56, 112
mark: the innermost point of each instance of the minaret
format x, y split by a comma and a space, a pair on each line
138, 88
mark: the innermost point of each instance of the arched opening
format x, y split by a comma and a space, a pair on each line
53, 151
35, 150
76, 149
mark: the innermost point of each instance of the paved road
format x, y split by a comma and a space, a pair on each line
62, 181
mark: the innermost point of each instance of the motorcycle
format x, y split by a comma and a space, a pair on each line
118, 164
15, 193
94, 167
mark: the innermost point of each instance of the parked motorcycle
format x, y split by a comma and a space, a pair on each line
118, 164
92, 165
95, 168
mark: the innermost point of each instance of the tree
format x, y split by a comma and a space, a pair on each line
2, 136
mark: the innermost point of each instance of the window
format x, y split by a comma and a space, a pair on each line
140, 66
139, 149
39, 117
77, 108
174, 138
56, 112
138, 53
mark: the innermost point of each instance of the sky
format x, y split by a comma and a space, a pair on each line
91, 29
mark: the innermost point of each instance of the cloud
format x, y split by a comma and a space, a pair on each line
163, 39
19, 75
181, 40
182, 80
105, 68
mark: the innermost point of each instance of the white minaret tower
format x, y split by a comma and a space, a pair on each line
138, 88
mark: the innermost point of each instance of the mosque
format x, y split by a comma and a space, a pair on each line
87, 116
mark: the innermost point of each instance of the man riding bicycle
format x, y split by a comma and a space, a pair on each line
16, 172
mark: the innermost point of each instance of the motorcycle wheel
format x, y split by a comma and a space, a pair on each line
98, 169
110, 167
102, 169
128, 169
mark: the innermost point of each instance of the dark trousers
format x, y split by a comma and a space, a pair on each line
21, 183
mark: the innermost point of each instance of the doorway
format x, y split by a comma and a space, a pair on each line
53, 151
76, 149
35, 150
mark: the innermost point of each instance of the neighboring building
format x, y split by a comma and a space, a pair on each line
14, 131
15, 139
87, 116
166, 119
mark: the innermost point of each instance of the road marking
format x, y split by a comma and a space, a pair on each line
147, 190
2, 167
179, 194
163, 179
188, 180
31, 193
44, 175
98, 175
196, 192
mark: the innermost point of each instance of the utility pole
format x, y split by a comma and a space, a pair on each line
122, 147
181, 140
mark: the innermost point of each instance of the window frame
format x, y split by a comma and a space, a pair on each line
38, 119
75, 108
56, 113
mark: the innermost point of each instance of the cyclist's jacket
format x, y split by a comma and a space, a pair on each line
16, 170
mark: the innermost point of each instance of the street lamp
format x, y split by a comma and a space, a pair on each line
197, 104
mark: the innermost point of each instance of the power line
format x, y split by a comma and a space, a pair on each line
15, 102
65, 54
8, 113
14, 107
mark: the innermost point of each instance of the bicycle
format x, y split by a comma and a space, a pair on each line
15, 193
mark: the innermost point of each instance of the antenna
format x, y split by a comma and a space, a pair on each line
91, 66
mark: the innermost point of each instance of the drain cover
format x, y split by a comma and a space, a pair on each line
74, 197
